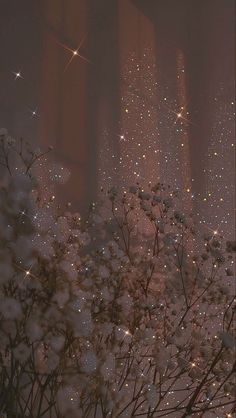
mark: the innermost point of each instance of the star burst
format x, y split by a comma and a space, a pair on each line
17, 75
27, 272
74, 53
180, 115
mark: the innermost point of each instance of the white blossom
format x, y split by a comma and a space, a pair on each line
88, 362
21, 352
10, 308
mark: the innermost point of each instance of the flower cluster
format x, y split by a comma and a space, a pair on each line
127, 313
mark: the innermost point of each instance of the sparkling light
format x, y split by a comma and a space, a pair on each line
17, 74
74, 52
34, 113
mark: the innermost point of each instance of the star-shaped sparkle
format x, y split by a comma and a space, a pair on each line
17, 75
75, 53
34, 113
27, 272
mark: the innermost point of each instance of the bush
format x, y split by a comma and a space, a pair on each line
129, 312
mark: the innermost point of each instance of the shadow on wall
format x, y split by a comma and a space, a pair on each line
79, 102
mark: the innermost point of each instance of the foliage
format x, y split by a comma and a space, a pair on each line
128, 313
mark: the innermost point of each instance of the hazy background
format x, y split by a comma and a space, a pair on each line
75, 108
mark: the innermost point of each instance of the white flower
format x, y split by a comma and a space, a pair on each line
151, 395
33, 330
61, 229
88, 362
122, 334
52, 361
61, 297
57, 342
115, 265
163, 357
106, 329
67, 400
69, 269
43, 245
149, 336
82, 323
84, 238
23, 248
21, 352
10, 308
77, 304
125, 301
103, 272
52, 316
97, 219
108, 367
43, 219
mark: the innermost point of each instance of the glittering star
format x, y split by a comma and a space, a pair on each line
75, 53
122, 137
215, 231
180, 115
34, 113
125, 331
17, 75
27, 272
22, 213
